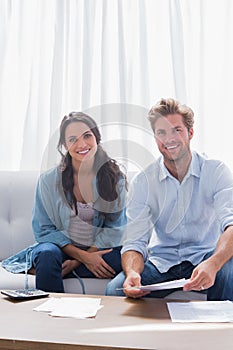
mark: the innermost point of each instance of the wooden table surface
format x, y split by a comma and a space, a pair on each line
121, 324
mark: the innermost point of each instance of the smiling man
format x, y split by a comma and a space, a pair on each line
186, 200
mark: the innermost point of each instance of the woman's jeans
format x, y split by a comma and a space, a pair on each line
48, 258
221, 290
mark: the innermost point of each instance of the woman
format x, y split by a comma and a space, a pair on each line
79, 210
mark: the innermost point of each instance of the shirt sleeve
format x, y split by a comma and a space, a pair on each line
139, 226
43, 227
223, 195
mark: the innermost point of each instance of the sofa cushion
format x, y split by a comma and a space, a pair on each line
16, 201
14, 281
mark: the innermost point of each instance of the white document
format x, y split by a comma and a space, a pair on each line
71, 307
204, 311
160, 286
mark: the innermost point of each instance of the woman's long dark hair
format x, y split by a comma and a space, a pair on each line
106, 169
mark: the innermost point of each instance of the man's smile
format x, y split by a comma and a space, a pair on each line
171, 147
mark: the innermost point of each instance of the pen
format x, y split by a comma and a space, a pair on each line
127, 288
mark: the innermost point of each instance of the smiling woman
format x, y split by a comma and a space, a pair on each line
79, 210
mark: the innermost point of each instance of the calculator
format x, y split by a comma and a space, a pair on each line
30, 293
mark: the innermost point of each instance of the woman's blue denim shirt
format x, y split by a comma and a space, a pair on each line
51, 219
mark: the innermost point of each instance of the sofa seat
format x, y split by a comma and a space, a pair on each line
71, 285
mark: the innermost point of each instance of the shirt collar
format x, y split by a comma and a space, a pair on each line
194, 168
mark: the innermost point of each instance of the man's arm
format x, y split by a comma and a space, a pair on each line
133, 265
203, 276
224, 248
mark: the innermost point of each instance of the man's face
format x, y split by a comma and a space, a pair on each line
172, 137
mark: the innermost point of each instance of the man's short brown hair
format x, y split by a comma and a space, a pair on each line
170, 106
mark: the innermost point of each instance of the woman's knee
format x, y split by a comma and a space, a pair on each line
45, 252
114, 259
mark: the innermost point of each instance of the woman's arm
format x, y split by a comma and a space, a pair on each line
72, 264
111, 229
44, 229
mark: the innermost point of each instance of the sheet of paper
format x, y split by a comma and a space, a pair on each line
71, 307
48, 305
204, 311
160, 286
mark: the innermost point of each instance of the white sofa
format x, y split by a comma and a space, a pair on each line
17, 191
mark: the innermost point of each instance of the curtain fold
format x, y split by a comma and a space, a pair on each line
113, 59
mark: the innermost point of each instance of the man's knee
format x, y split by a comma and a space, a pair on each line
222, 288
226, 272
114, 284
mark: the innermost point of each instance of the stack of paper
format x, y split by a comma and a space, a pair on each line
71, 307
160, 286
203, 311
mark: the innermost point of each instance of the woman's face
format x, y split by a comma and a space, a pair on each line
80, 142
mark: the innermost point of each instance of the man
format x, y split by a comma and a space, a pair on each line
188, 200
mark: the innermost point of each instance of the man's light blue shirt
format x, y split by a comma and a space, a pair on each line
186, 218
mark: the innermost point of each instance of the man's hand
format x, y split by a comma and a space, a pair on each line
133, 265
96, 264
133, 280
203, 276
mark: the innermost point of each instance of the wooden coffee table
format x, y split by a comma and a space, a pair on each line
121, 324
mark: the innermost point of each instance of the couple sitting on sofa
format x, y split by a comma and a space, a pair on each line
79, 217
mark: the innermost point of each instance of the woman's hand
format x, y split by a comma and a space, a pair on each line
96, 264
68, 266
32, 271
92, 259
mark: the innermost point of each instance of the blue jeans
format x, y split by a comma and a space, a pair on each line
48, 258
221, 290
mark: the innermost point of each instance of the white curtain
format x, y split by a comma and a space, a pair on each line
113, 59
